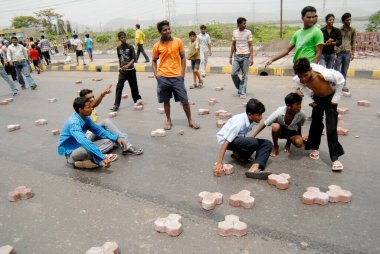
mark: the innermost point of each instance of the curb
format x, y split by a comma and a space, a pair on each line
351, 73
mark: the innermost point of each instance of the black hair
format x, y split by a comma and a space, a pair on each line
30, 38
254, 106
346, 16
138, 26
301, 66
42, 37
161, 24
328, 16
240, 20
307, 9
202, 27
75, 36
84, 92
14, 37
87, 36
79, 103
292, 98
33, 46
192, 33
121, 34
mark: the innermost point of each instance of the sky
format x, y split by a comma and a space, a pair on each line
98, 13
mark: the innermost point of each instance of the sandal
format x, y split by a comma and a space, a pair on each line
337, 166
200, 85
314, 154
261, 175
193, 86
168, 125
111, 156
194, 125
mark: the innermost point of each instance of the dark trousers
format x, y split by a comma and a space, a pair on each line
10, 70
246, 146
132, 80
46, 55
316, 128
140, 49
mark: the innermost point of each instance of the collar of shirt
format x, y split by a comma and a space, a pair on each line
162, 40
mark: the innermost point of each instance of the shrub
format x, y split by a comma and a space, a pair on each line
103, 38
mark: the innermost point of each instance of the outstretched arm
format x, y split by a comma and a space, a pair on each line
99, 99
279, 56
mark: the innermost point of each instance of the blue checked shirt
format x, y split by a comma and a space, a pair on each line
73, 136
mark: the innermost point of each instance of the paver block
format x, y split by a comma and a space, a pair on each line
227, 169
9, 99
7, 249
220, 123
181, 132
314, 196
342, 111
225, 115
158, 133
219, 88
124, 96
212, 101
171, 225
232, 226
78, 82
13, 127
337, 194
97, 79
138, 107
281, 181
339, 117
107, 248
346, 94
210, 199
41, 122
220, 111
20, 193
52, 100
203, 111
161, 110
243, 198
363, 103
56, 132
4, 103
342, 131
112, 114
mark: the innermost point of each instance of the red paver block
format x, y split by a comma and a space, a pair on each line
225, 115
171, 225
124, 96
56, 132
7, 249
314, 196
220, 123
138, 107
13, 127
203, 111
4, 103
78, 82
52, 100
281, 181
232, 226
20, 193
181, 132
342, 111
212, 101
363, 103
112, 114
9, 99
40, 122
337, 194
97, 79
210, 199
339, 117
158, 133
342, 131
219, 88
107, 248
220, 111
243, 198
161, 110
227, 169
346, 94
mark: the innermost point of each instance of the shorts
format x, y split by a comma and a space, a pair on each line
195, 64
287, 134
167, 87
89, 50
79, 52
36, 63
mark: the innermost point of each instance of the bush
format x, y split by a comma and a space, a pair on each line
103, 38
216, 30
151, 32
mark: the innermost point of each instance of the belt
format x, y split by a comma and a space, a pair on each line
242, 54
24, 61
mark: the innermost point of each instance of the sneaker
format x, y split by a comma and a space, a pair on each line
345, 89
85, 164
139, 102
33, 87
15, 94
114, 108
23, 87
243, 96
132, 151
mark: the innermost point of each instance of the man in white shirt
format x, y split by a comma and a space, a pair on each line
78, 45
204, 41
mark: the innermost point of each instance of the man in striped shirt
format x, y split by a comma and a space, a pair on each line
242, 50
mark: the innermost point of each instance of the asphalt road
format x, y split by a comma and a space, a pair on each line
73, 210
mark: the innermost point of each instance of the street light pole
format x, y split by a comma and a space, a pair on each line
281, 20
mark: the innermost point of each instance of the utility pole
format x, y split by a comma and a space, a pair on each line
281, 20
196, 12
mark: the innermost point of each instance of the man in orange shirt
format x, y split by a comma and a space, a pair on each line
170, 73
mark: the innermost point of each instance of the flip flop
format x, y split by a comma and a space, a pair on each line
260, 175
168, 126
111, 156
337, 166
194, 125
314, 154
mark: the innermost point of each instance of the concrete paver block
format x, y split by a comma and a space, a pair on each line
337, 194
124, 96
52, 100
112, 114
220, 123
212, 101
363, 103
225, 115
13, 127
314, 196
219, 88
171, 225
210, 199
40, 122
56, 132
78, 82
220, 111
342, 111
158, 133
242, 198
281, 181
97, 79
161, 110
7, 249
203, 111
342, 131
4, 103
107, 248
232, 226
227, 169
20, 193
346, 94
138, 107
181, 132
9, 99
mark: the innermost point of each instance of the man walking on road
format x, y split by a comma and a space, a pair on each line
89, 45
7, 79
204, 42
139, 41
45, 48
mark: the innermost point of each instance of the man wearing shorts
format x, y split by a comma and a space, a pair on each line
170, 73
78, 45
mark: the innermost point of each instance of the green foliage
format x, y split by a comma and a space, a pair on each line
130, 33
216, 31
68, 27
103, 38
151, 33
374, 22
25, 21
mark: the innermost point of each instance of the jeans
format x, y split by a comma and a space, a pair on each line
140, 49
204, 60
46, 55
327, 60
129, 75
80, 154
22, 67
111, 127
7, 79
342, 63
241, 63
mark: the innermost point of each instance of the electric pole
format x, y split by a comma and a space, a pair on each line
281, 20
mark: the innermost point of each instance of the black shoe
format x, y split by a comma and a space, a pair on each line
133, 151
114, 108
23, 87
261, 175
33, 87
147, 61
345, 89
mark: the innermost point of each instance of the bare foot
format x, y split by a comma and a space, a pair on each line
168, 125
274, 152
287, 148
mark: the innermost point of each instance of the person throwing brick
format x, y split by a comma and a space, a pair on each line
322, 89
234, 136
170, 73
78, 149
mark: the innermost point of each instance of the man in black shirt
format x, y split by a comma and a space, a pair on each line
332, 38
127, 71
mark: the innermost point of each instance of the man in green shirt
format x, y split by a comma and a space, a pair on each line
307, 42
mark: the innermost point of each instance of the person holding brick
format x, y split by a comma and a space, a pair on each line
78, 149
234, 136
322, 89
286, 122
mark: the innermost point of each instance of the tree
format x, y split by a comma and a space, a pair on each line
68, 27
48, 16
25, 21
374, 22
61, 27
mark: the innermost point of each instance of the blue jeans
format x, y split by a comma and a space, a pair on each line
23, 68
241, 63
342, 63
111, 127
327, 60
11, 84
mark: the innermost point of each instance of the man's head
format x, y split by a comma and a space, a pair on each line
192, 36
330, 18
42, 36
122, 37
14, 40
87, 36
30, 39
82, 106
137, 26
302, 69
241, 23
163, 28
346, 19
75, 36
33, 46
87, 94
203, 29
293, 101
255, 110
308, 16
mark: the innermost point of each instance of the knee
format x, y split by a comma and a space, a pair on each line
298, 142
276, 127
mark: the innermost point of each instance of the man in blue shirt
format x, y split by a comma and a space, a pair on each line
77, 148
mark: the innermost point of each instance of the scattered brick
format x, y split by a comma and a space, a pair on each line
97, 79
314, 196
225, 115
191, 102
107, 248
363, 103
158, 133
337, 194
41, 122
78, 82
342, 111
161, 110
112, 114
220, 111
171, 225
13, 127
281, 181
203, 111
219, 88
20, 193
227, 169
339, 117
9, 99
210, 199
52, 100
4, 103
7, 249
342, 131
181, 132
220, 123
124, 96
212, 101
243, 198
138, 107
346, 94
56, 132
232, 226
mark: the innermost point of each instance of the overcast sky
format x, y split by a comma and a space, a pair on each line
97, 12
